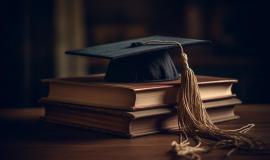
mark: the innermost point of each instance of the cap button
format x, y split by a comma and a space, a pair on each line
136, 44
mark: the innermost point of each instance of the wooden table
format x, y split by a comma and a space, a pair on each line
24, 137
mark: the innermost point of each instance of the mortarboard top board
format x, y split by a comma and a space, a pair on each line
133, 61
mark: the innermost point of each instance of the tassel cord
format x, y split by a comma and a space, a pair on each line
194, 120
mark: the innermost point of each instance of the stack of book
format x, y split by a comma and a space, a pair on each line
130, 109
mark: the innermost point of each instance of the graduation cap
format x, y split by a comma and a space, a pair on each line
147, 60
139, 60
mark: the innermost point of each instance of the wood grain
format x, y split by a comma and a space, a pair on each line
28, 138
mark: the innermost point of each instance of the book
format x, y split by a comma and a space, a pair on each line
93, 91
130, 124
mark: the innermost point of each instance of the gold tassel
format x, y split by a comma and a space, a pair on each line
194, 121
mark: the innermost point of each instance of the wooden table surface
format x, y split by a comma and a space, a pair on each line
23, 136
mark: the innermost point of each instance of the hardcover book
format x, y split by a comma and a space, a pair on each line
130, 124
93, 91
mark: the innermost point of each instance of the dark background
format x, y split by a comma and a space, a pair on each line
35, 34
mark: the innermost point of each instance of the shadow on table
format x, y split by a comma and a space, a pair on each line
39, 130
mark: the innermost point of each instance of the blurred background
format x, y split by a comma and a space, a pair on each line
35, 34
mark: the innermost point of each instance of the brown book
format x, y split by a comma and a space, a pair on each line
93, 91
130, 124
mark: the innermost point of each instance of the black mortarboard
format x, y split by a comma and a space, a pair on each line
136, 61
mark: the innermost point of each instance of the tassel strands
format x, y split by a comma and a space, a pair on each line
194, 121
